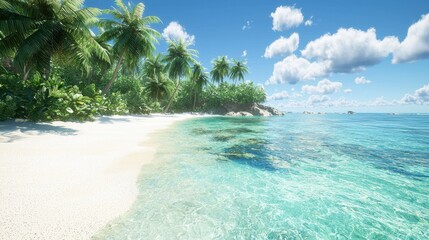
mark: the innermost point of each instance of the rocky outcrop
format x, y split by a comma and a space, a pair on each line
249, 110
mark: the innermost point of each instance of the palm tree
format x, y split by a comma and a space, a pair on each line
153, 66
37, 31
220, 69
199, 79
157, 84
238, 70
178, 64
133, 37
158, 87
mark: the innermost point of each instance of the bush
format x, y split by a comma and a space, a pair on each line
7, 108
131, 91
40, 100
184, 98
216, 97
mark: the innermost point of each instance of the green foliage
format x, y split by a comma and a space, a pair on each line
131, 91
221, 69
114, 104
51, 100
183, 101
132, 35
37, 31
7, 108
238, 70
216, 97
179, 60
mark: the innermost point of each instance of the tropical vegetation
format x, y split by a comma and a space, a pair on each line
60, 61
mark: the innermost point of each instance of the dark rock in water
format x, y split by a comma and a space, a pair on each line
249, 110
350, 112
223, 137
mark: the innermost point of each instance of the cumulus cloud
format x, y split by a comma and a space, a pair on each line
323, 87
282, 46
294, 69
317, 99
420, 96
362, 80
348, 90
283, 95
175, 32
286, 17
247, 25
350, 49
278, 96
244, 53
416, 45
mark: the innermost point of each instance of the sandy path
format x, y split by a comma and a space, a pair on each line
68, 180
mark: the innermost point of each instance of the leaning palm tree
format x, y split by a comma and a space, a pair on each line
35, 32
199, 79
178, 64
132, 35
220, 69
238, 70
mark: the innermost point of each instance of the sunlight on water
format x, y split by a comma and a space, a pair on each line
293, 177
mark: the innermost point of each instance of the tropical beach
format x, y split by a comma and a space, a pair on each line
241, 119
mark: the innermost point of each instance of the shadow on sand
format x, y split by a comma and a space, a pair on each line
11, 131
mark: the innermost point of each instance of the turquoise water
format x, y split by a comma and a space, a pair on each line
363, 176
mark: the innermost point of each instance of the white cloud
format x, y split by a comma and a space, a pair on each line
293, 69
380, 101
282, 46
317, 99
278, 96
247, 25
350, 50
309, 22
283, 95
175, 32
348, 90
323, 87
416, 45
244, 53
420, 96
362, 80
286, 17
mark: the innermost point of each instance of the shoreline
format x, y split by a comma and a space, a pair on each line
68, 180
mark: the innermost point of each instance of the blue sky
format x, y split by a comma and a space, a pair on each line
314, 66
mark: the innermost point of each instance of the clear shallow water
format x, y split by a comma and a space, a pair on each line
363, 176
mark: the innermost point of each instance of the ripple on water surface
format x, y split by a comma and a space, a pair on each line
293, 177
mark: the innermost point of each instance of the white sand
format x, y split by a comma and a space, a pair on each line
68, 180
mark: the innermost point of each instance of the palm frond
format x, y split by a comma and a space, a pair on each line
138, 11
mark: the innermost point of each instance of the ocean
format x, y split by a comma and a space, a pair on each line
332, 176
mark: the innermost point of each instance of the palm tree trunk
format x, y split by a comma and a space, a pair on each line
172, 96
26, 72
115, 73
195, 100
47, 72
191, 96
